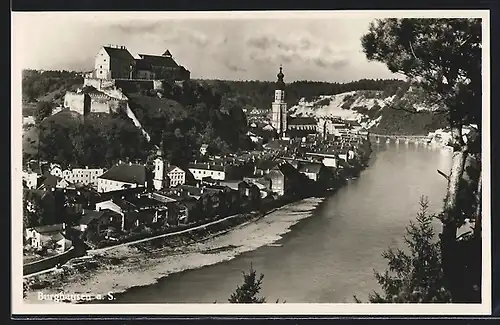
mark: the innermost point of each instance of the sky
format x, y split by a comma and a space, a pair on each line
325, 47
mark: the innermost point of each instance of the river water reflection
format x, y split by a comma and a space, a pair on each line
330, 256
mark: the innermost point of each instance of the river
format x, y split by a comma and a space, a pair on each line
331, 253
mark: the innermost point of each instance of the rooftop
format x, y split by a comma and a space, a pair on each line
302, 121
127, 173
89, 215
49, 180
310, 168
206, 166
120, 53
159, 61
49, 228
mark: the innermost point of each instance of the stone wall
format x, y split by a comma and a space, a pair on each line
99, 105
99, 83
75, 102
50, 262
134, 85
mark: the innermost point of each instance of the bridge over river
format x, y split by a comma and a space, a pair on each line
417, 139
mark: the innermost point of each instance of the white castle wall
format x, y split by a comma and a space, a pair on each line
98, 83
74, 102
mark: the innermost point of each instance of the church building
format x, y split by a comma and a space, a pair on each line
287, 126
279, 109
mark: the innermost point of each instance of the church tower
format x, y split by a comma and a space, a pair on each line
159, 171
279, 110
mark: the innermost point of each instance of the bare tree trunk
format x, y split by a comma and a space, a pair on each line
449, 234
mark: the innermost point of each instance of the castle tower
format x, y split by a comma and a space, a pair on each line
159, 171
279, 109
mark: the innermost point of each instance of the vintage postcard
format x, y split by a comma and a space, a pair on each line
287, 163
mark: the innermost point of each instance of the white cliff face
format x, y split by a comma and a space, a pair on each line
365, 107
136, 122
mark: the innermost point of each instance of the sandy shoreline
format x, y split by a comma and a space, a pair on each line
139, 267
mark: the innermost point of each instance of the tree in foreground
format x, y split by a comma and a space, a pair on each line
415, 274
43, 110
443, 57
248, 292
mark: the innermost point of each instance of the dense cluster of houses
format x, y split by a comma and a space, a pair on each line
100, 204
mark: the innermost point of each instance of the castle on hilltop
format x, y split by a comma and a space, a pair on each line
116, 62
116, 69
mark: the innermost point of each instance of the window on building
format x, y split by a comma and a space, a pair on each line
100, 67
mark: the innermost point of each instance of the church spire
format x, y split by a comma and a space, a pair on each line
280, 83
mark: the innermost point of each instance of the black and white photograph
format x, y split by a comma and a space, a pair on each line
322, 162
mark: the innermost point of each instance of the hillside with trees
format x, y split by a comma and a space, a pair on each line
260, 94
48, 85
99, 140
180, 117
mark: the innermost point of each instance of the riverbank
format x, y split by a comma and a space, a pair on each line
113, 270
145, 261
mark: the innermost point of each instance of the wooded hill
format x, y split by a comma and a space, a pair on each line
180, 117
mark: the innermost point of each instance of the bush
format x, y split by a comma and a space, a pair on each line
249, 290
415, 276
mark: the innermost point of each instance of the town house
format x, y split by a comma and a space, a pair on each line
190, 209
49, 237
83, 176
277, 180
284, 179
151, 212
100, 222
210, 169
122, 176
264, 166
50, 182
175, 176
210, 202
31, 179
313, 171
